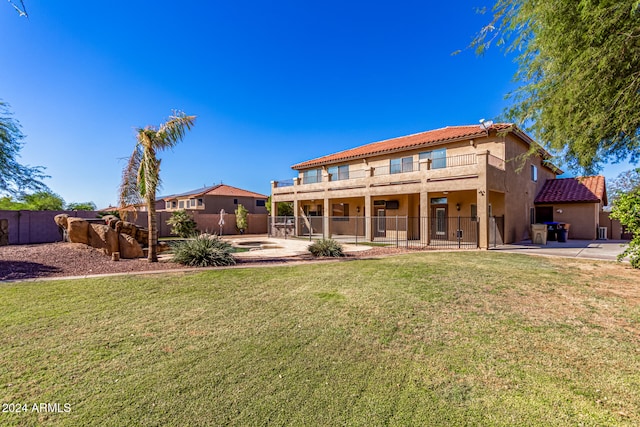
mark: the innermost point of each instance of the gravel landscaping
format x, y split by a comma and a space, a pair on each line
19, 262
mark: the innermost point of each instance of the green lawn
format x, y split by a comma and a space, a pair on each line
469, 338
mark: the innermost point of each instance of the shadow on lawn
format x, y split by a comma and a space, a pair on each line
18, 270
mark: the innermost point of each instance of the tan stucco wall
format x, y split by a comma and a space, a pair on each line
520, 190
582, 217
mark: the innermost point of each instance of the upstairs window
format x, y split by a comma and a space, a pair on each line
200, 202
402, 165
261, 202
312, 176
339, 172
438, 158
534, 173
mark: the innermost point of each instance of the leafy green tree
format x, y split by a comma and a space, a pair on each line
43, 201
81, 206
182, 224
141, 175
38, 201
14, 177
626, 209
8, 204
578, 63
284, 208
241, 218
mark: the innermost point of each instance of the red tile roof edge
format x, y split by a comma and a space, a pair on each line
402, 143
206, 190
584, 189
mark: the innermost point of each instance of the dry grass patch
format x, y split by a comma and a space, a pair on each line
474, 338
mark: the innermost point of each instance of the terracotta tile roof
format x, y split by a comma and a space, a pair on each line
423, 139
586, 189
217, 190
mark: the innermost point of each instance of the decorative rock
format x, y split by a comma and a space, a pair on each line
77, 230
142, 236
103, 237
129, 247
4, 232
61, 220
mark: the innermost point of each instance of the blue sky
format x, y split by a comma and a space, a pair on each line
272, 83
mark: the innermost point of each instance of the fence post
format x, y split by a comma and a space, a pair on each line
397, 231
406, 227
356, 230
458, 232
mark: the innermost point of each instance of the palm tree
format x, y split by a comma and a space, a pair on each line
141, 176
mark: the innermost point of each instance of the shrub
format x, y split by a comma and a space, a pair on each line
241, 218
182, 224
326, 247
203, 251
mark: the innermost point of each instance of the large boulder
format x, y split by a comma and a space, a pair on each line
102, 236
61, 220
77, 230
142, 236
129, 247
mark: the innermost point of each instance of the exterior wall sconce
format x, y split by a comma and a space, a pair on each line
357, 209
559, 211
457, 206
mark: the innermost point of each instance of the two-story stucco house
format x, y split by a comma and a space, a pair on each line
426, 182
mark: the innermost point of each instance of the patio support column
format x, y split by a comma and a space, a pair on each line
296, 213
483, 199
326, 233
424, 220
274, 209
368, 212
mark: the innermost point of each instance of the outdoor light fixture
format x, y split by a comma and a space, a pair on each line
559, 211
457, 206
357, 209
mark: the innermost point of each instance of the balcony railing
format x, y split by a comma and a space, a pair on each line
496, 162
434, 164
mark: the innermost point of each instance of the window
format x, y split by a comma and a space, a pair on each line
261, 202
181, 204
312, 176
439, 201
167, 205
402, 165
339, 172
200, 202
474, 212
438, 158
534, 173
235, 201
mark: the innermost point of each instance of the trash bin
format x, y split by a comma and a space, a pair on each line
539, 234
552, 231
563, 232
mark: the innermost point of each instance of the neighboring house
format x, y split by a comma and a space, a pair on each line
425, 181
577, 201
213, 199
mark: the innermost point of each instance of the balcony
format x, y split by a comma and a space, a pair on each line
446, 167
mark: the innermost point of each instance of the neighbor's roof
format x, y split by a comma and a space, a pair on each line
423, 139
217, 190
584, 189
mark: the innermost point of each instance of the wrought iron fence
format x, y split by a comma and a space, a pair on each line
392, 231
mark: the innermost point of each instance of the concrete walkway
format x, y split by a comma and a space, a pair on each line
589, 249
268, 247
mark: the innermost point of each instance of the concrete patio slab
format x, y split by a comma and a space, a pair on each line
589, 249
268, 247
